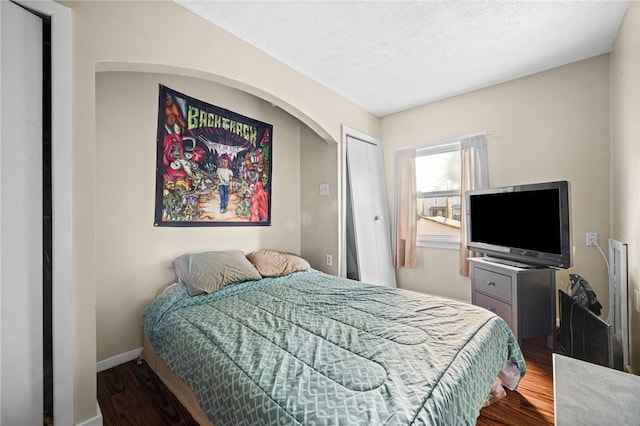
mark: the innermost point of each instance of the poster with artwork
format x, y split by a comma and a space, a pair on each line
213, 166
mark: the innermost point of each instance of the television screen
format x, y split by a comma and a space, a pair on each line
526, 223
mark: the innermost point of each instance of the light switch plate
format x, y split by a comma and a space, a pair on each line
324, 189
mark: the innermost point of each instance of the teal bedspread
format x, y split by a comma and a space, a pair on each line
314, 349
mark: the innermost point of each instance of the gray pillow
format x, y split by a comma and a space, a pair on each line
210, 271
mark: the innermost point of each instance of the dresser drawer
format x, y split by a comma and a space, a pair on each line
503, 310
492, 284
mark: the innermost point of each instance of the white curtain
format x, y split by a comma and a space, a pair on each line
474, 176
405, 210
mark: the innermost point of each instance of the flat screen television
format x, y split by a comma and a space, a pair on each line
528, 224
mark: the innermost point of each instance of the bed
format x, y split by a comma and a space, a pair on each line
306, 348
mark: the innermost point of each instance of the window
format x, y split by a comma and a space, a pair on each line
438, 174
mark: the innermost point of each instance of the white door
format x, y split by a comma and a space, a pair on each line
370, 220
21, 369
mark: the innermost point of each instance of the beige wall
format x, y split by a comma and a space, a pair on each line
625, 158
319, 213
133, 258
550, 126
159, 37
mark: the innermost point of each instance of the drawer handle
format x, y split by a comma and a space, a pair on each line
492, 309
491, 283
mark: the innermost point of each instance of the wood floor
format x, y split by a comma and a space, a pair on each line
131, 394
532, 403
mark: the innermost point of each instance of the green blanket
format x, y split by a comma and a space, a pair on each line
314, 349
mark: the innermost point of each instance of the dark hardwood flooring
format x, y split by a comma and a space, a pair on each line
131, 394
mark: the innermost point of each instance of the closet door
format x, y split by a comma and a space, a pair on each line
21, 368
370, 221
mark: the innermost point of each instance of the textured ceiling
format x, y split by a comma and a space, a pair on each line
387, 56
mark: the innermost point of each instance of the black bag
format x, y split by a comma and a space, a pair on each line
582, 293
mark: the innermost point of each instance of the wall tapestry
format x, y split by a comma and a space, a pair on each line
213, 165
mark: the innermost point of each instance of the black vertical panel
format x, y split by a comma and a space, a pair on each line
47, 197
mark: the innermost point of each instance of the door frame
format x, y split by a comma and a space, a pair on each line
22, 371
62, 189
346, 132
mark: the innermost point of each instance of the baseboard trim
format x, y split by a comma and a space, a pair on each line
94, 421
118, 359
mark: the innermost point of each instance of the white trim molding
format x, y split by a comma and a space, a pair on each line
119, 359
97, 420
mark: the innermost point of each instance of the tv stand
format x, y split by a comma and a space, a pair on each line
523, 297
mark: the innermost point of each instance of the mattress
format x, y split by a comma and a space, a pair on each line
310, 348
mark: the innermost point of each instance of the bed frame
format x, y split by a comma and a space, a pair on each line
180, 389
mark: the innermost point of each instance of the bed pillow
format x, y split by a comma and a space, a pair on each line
273, 263
210, 271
